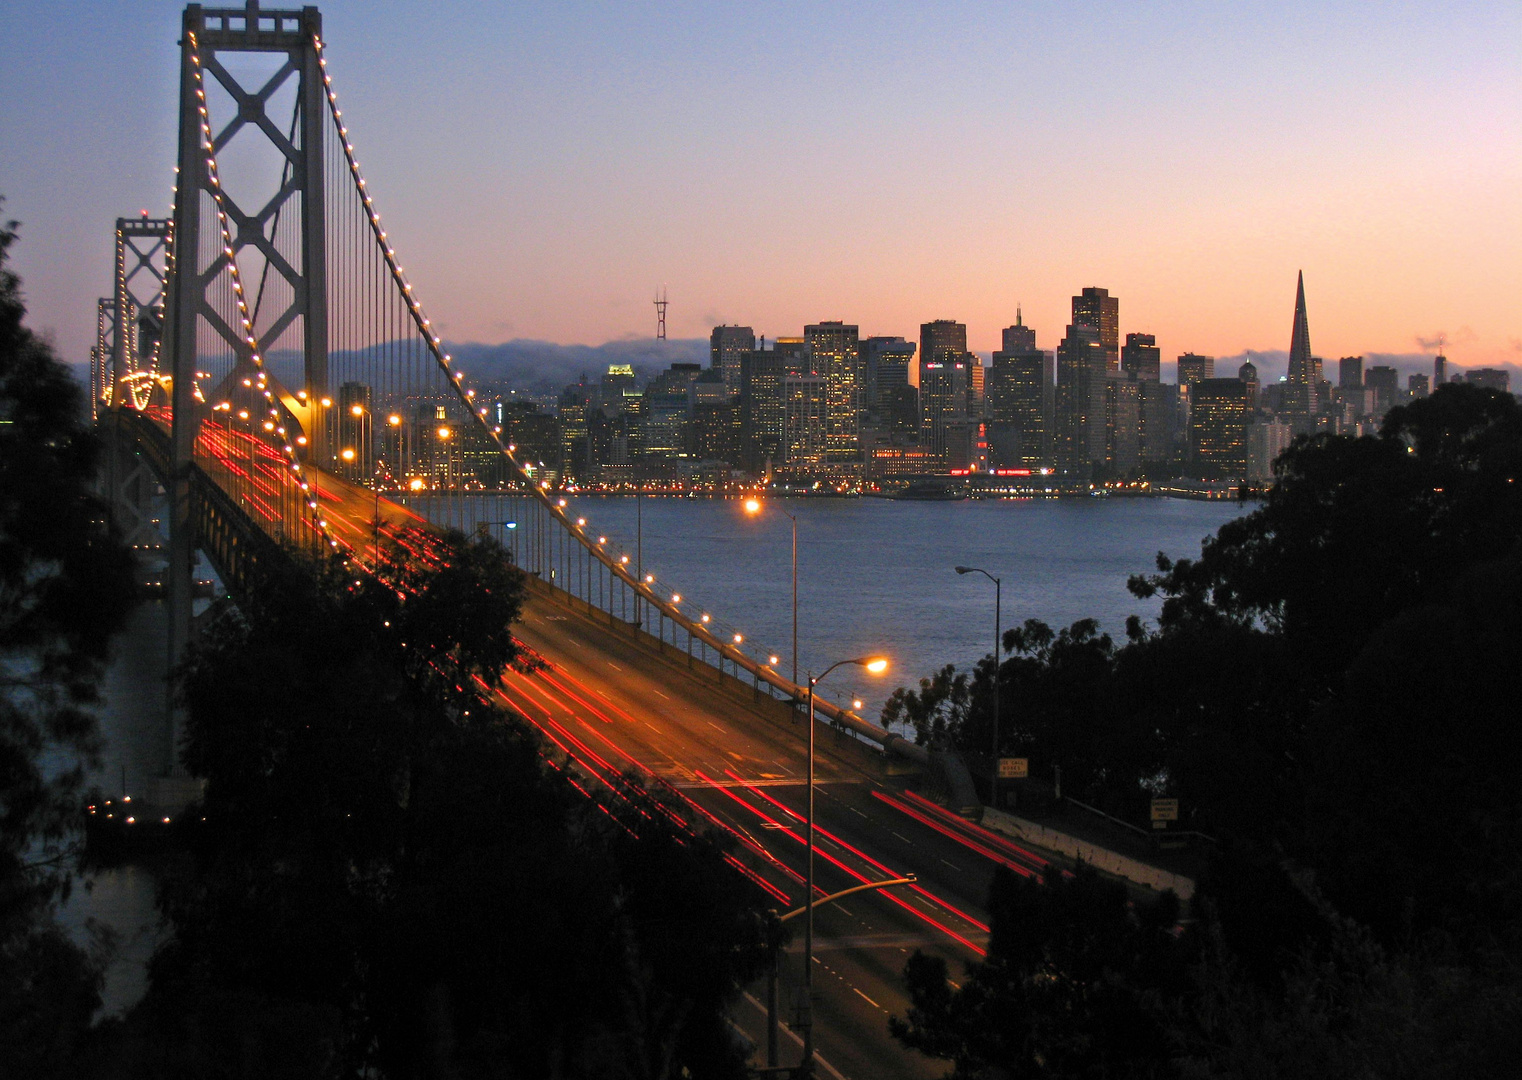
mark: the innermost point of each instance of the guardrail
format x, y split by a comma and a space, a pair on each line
761, 674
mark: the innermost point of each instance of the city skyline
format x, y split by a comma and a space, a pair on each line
543, 173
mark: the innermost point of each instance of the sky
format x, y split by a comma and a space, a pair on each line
543, 168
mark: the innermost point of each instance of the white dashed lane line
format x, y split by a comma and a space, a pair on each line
868, 1000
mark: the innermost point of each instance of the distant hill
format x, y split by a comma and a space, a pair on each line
542, 367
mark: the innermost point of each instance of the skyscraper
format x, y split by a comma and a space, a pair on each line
1080, 436
1019, 389
1350, 373
1304, 376
1385, 382
943, 401
803, 432
1218, 428
725, 345
976, 375
1248, 373
1439, 370
763, 403
1019, 338
885, 363
837, 358
1192, 368
1122, 423
940, 341
1141, 358
1098, 310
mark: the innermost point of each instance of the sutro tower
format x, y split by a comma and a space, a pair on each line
660, 314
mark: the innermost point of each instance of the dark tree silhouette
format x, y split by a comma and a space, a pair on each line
65, 589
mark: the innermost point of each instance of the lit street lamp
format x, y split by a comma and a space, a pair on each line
876, 665
993, 780
753, 507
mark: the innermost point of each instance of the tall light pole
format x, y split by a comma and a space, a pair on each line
876, 665
993, 780
754, 506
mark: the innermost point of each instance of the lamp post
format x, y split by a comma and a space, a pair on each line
754, 506
993, 780
507, 527
876, 665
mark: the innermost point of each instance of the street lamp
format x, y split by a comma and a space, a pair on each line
993, 780
876, 665
753, 507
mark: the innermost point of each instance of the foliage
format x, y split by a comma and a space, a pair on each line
1071, 985
65, 589
1331, 690
388, 875
935, 711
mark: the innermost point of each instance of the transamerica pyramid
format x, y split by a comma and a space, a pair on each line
1300, 366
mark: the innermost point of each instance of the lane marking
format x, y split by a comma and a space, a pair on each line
782, 1026
905, 839
612, 665
868, 1000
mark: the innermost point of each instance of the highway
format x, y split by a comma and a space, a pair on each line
612, 705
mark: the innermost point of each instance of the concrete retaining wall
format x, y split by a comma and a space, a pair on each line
1100, 858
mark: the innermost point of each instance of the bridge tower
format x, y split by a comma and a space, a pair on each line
268, 118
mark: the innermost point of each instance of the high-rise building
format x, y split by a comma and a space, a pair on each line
1141, 359
1158, 424
1122, 424
1385, 382
803, 432
796, 354
1098, 310
940, 341
1248, 373
725, 345
1020, 387
617, 384
977, 374
1218, 428
1080, 437
763, 403
666, 408
1498, 379
1193, 367
1303, 380
943, 401
837, 358
886, 363
1019, 339
1439, 370
1266, 440
1417, 385
1350, 373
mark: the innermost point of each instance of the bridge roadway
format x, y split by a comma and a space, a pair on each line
611, 703
614, 703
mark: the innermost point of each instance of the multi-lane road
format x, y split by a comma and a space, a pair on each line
613, 705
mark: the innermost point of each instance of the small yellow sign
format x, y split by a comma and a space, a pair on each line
1014, 768
1164, 809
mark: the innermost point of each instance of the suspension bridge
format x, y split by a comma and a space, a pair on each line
266, 363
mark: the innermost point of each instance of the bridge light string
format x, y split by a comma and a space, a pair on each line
617, 567
250, 337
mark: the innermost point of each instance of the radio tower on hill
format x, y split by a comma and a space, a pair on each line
660, 314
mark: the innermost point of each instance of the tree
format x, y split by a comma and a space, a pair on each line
65, 590
390, 875
1331, 688
1072, 985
